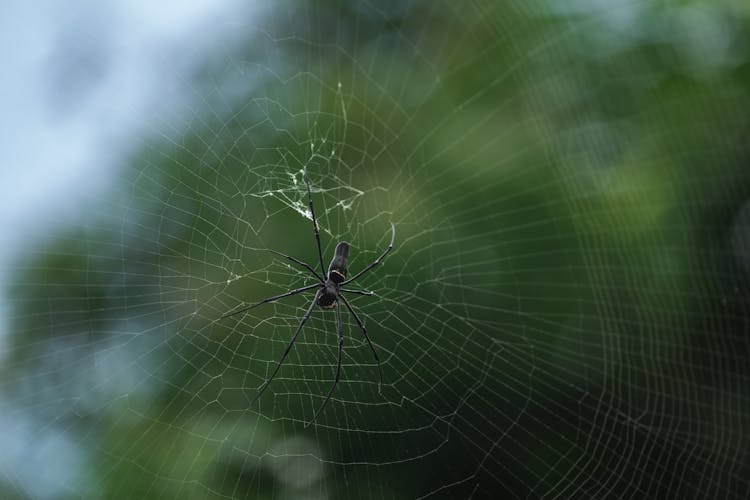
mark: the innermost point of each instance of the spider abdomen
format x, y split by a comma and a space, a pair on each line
340, 263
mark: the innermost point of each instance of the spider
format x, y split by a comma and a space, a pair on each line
330, 293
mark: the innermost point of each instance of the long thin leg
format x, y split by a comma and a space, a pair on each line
315, 222
358, 292
338, 366
367, 338
303, 264
270, 299
288, 348
377, 261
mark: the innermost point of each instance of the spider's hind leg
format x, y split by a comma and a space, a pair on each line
297, 261
316, 229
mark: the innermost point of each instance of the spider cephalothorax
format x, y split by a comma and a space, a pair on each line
330, 293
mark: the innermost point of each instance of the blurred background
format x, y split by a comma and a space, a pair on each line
565, 312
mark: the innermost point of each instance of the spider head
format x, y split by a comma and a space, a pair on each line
340, 263
327, 297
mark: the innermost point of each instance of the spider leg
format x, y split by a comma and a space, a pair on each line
377, 261
303, 264
288, 348
358, 292
315, 222
367, 338
338, 366
270, 299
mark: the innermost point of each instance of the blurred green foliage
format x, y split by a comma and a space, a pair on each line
557, 315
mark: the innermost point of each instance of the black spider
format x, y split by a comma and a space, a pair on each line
330, 290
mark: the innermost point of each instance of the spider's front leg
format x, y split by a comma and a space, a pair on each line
338, 366
367, 338
288, 348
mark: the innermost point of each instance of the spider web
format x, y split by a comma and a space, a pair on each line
563, 314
